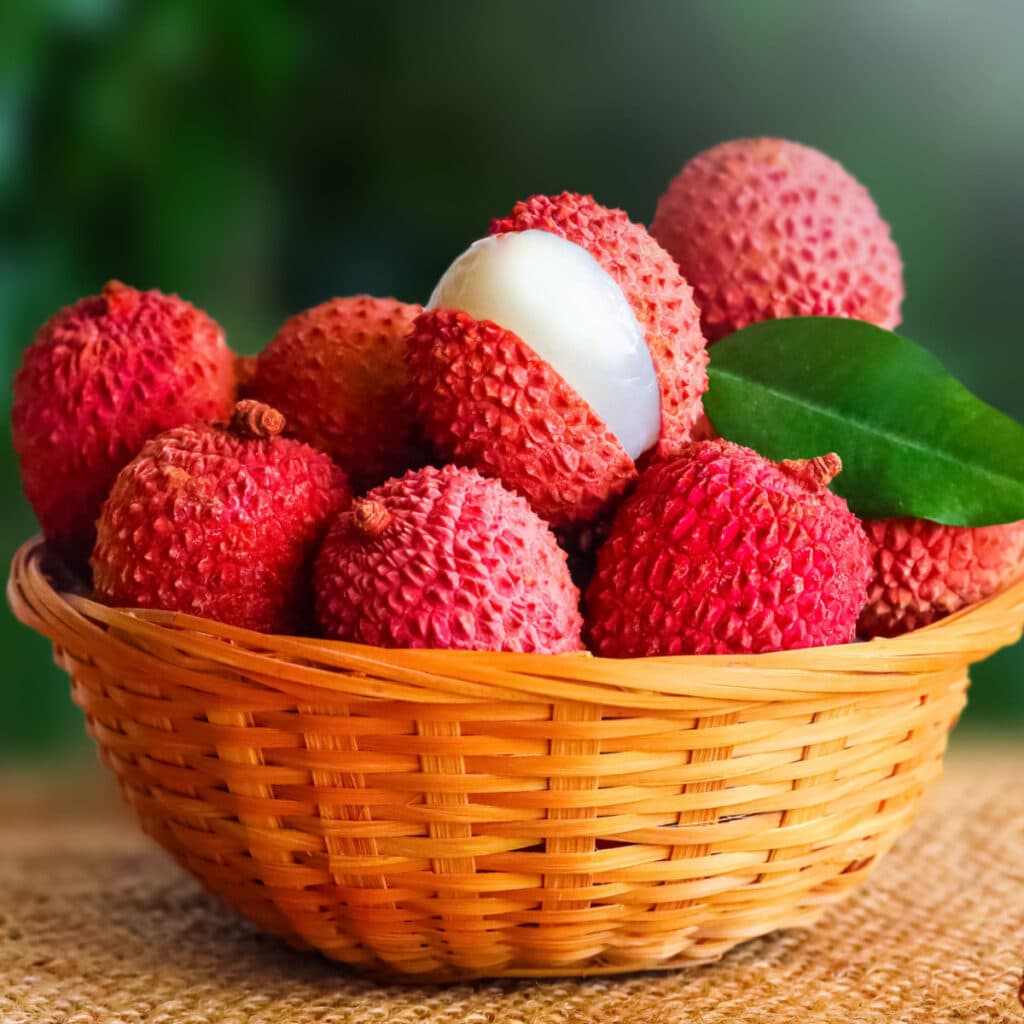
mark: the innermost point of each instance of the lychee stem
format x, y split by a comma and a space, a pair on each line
369, 517
815, 473
255, 420
121, 300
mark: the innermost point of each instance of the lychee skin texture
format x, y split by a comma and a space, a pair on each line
221, 522
337, 373
445, 558
486, 400
720, 551
765, 228
102, 377
924, 571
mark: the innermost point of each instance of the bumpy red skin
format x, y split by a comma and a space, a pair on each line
337, 373
765, 228
102, 377
487, 400
225, 527
458, 563
924, 571
719, 551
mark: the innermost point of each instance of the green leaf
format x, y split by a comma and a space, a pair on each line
913, 440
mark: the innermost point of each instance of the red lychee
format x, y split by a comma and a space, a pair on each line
765, 228
220, 521
924, 571
337, 373
102, 377
720, 551
558, 352
446, 558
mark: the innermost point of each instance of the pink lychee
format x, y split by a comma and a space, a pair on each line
720, 551
924, 571
446, 558
337, 373
102, 377
765, 228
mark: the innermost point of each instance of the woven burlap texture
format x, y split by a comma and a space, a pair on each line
97, 925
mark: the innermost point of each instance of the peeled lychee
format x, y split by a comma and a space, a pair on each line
924, 571
556, 353
102, 377
337, 373
219, 521
765, 228
446, 558
720, 551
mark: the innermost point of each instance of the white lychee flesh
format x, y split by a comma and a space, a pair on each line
559, 300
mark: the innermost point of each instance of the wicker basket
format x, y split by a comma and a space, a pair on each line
442, 814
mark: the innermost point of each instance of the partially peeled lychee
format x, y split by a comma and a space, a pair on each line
556, 296
558, 352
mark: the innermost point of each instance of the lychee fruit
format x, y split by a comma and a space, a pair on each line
924, 571
219, 521
556, 353
720, 551
446, 558
765, 228
337, 373
102, 377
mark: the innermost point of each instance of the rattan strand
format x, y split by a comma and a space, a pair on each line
440, 815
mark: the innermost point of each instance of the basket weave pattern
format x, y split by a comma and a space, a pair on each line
445, 814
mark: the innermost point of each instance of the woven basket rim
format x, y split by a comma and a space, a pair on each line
948, 645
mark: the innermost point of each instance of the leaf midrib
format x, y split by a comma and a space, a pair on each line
866, 428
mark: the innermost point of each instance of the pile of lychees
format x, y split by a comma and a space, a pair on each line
426, 477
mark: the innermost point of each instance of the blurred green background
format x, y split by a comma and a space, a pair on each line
258, 157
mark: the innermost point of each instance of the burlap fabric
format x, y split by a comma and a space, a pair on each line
98, 925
